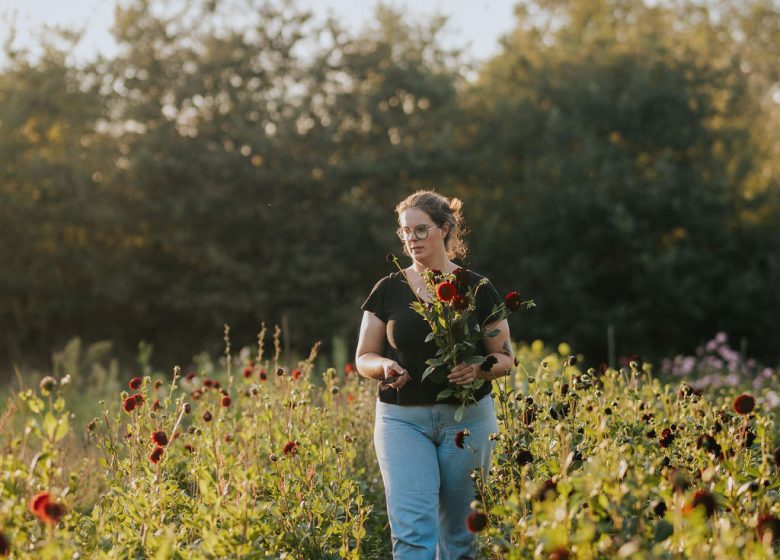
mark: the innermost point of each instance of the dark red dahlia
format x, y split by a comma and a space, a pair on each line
156, 404
460, 302
476, 521
461, 278
523, 457
156, 455
290, 448
445, 291
129, 404
190, 376
139, 399
667, 437
135, 383
207, 416
513, 301
768, 524
248, 372
460, 438
263, 375
279, 371
226, 401
704, 499
160, 438
744, 404
349, 368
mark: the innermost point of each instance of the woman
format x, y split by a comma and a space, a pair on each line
426, 473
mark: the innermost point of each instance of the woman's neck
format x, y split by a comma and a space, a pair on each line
443, 264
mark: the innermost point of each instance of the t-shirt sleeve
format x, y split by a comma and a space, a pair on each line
487, 301
376, 301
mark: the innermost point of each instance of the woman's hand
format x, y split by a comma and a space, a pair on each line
395, 376
462, 374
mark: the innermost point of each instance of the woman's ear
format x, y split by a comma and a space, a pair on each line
445, 229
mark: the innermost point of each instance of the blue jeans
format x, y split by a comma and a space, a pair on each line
427, 477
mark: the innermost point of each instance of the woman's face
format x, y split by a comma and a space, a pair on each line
416, 223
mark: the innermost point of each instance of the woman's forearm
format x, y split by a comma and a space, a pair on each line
371, 365
502, 367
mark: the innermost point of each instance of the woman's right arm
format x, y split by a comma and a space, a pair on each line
369, 358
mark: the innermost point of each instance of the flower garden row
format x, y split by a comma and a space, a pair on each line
272, 462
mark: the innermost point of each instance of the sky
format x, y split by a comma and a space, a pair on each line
474, 25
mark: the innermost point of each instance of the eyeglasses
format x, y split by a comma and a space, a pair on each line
419, 232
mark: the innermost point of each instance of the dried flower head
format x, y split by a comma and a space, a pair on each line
489, 362
523, 457
160, 438
47, 384
226, 401
207, 416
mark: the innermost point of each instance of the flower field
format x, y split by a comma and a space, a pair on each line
249, 457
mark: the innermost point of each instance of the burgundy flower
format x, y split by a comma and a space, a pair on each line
776, 455
135, 383
768, 523
248, 372
445, 291
460, 439
512, 301
290, 448
489, 362
189, 448
263, 375
190, 376
701, 498
156, 455
157, 384
208, 382
523, 457
48, 511
461, 278
296, 374
207, 416
160, 438
659, 508
156, 404
5, 545
187, 408
476, 521
139, 399
196, 394
129, 404
279, 372
667, 437
460, 302
226, 401
744, 404
349, 368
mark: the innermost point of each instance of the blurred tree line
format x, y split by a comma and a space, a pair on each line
618, 160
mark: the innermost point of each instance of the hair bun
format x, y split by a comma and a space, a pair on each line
455, 205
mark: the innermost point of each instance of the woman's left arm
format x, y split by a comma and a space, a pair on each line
500, 347
497, 346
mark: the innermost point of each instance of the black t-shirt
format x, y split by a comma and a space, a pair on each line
405, 334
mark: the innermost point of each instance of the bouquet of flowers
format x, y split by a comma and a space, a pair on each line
451, 303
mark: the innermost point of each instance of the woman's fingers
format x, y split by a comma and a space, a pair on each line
462, 374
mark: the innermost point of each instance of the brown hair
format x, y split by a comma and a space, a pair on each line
442, 210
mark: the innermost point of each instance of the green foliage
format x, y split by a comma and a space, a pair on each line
618, 159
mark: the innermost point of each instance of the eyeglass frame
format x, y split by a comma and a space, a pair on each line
403, 236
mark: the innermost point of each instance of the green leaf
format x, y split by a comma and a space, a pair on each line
431, 336
474, 360
663, 530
